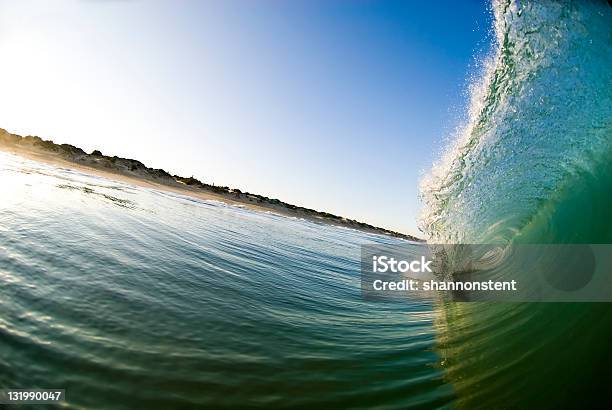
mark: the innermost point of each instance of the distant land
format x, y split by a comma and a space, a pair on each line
134, 170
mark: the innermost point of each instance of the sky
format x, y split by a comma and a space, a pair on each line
340, 106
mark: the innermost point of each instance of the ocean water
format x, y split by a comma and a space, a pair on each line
532, 164
130, 297
136, 298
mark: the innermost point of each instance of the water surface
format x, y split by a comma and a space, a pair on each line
130, 297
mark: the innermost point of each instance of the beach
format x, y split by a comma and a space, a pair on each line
135, 172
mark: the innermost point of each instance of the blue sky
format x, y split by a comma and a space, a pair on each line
334, 105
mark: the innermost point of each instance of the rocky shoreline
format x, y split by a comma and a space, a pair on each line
135, 169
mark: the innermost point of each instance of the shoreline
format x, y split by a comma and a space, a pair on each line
135, 172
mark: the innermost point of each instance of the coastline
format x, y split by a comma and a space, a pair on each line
135, 172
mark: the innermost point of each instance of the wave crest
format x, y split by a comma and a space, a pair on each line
539, 122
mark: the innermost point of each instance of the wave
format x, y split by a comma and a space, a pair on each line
539, 131
531, 165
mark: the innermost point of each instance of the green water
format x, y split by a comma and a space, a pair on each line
532, 165
134, 298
